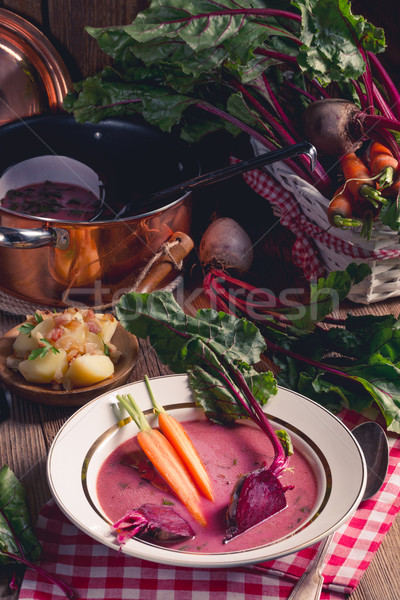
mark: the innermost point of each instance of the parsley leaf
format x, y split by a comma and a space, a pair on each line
106, 348
26, 328
42, 351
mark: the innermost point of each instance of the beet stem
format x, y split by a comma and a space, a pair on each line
69, 592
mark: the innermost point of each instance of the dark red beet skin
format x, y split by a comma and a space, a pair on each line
153, 521
256, 497
332, 126
165, 524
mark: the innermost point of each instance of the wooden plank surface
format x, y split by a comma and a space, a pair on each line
26, 434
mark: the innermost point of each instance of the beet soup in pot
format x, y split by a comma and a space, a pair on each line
62, 258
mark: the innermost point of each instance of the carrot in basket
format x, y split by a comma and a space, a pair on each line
164, 459
382, 163
179, 439
340, 209
359, 180
393, 190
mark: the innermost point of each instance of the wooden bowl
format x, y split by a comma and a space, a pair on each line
43, 394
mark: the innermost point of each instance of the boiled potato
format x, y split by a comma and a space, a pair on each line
77, 329
43, 328
108, 325
93, 338
44, 369
81, 360
24, 344
88, 369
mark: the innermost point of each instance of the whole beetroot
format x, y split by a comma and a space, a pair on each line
333, 126
225, 244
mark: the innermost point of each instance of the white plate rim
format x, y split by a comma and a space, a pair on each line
95, 526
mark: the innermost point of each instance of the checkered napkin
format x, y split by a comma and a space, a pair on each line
97, 572
304, 252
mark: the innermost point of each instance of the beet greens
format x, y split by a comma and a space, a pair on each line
352, 363
218, 352
251, 66
18, 543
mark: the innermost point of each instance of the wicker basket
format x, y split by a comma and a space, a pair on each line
384, 281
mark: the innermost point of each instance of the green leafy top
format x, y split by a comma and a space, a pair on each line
204, 346
325, 295
329, 31
18, 542
41, 352
16, 534
179, 54
27, 327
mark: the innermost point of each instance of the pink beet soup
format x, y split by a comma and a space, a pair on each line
51, 200
123, 483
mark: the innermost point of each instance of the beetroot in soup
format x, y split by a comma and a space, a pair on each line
126, 481
51, 200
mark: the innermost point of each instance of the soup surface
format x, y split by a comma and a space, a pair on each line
123, 484
61, 201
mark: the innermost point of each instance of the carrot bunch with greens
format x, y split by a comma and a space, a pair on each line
385, 166
179, 439
164, 459
359, 200
340, 209
359, 180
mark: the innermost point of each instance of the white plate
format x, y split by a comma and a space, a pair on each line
91, 434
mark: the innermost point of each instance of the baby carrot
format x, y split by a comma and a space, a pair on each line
383, 163
359, 180
165, 459
179, 439
340, 209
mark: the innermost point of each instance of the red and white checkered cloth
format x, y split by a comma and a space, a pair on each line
97, 572
304, 252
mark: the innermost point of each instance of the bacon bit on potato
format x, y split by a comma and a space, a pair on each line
56, 333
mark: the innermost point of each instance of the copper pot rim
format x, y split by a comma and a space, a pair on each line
133, 218
27, 40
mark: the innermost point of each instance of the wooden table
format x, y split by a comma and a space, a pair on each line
27, 433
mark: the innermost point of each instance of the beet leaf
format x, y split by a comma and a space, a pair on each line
16, 533
243, 299
367, 371
213, 347
201, 66
354, 362
18, 542
335, 56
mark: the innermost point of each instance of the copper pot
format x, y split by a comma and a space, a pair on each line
58, 263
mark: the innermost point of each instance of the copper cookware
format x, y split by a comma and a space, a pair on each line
33, 78
58, 263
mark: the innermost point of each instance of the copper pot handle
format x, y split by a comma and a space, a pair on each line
34, 238
180, 246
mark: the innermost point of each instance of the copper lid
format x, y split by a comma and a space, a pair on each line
33, 78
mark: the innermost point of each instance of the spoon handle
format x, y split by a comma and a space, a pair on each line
309, 586
236, 169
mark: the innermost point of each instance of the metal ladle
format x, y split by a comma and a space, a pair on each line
374, 445
219, 175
